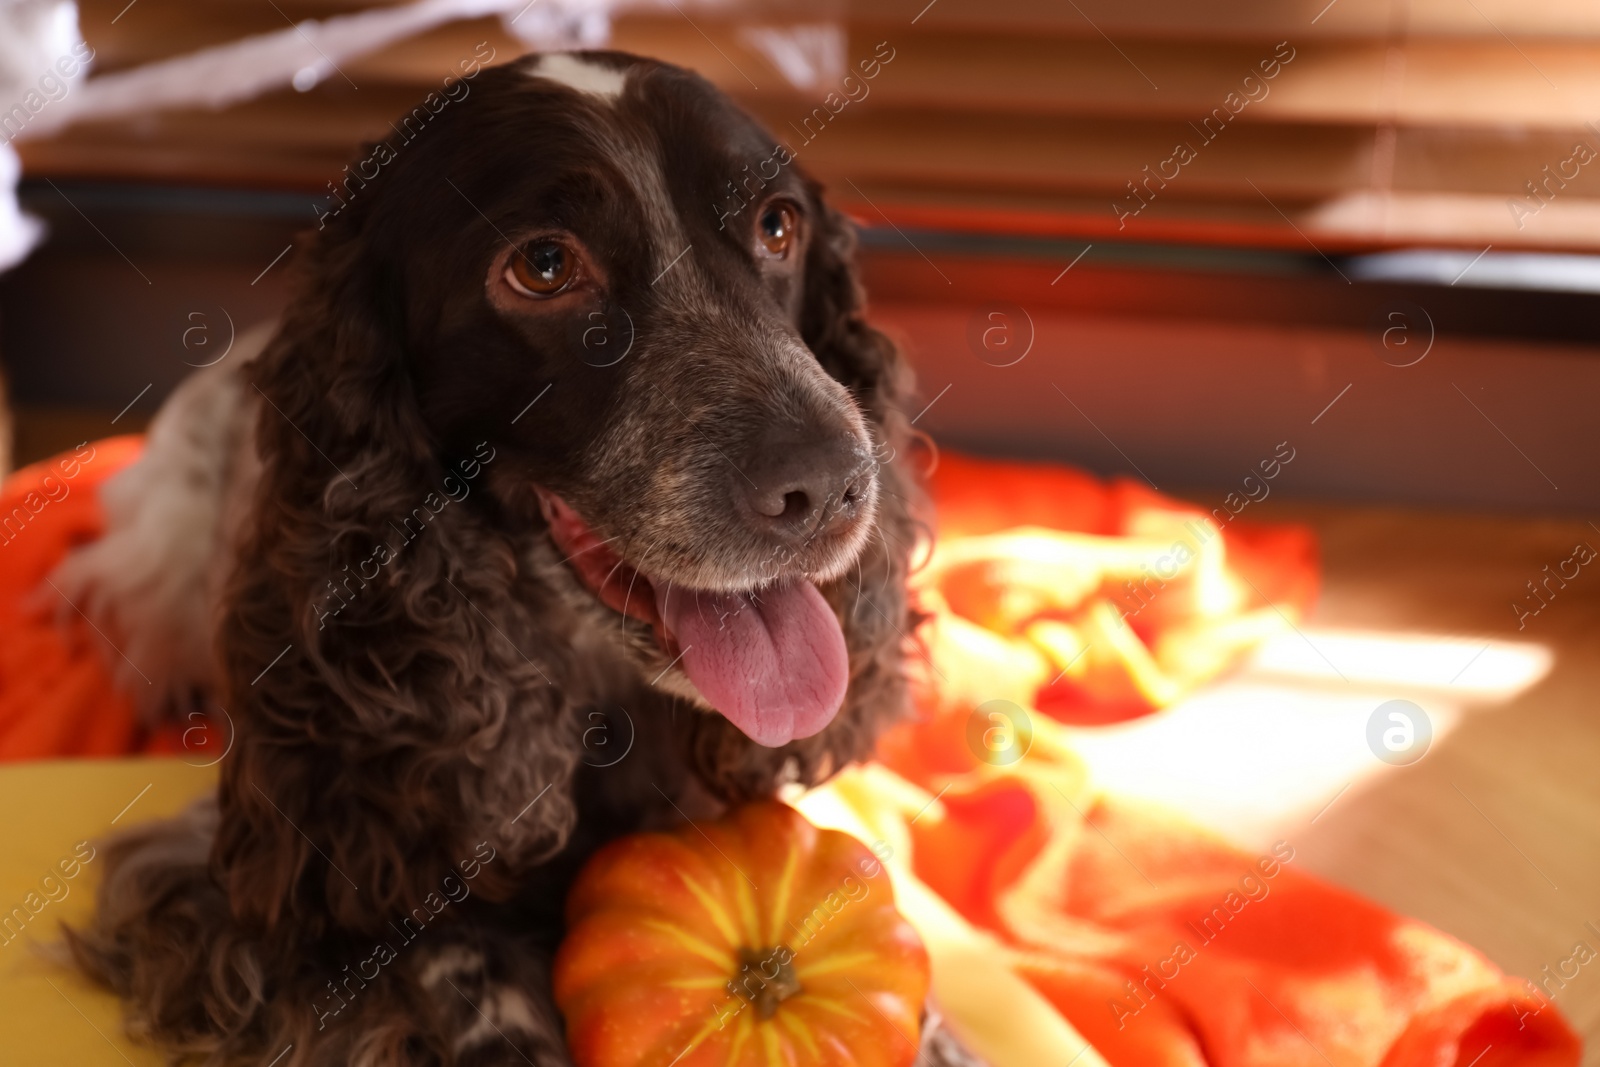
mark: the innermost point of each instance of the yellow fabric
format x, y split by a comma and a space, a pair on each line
985, 1002
48, 1015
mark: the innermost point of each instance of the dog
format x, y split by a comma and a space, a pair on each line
564, 502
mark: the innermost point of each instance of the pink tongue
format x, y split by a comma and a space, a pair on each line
774, 662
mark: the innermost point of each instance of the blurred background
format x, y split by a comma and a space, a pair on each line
1158, 239
1412, 171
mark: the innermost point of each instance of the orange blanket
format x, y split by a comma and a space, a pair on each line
1055, 597
56, 697
1054, 593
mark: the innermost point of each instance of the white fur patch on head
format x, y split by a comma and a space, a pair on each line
579, 74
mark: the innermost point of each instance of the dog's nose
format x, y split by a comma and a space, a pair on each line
797, 490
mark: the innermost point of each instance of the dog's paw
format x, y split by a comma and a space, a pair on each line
492, 1001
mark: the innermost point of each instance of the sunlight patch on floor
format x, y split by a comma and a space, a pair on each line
1258, 756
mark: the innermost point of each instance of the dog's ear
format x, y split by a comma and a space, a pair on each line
833, 322
390, 689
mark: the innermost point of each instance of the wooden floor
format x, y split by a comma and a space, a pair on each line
1494, 836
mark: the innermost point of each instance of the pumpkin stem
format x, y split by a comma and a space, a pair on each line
766, 978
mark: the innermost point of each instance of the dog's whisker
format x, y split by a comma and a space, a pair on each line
621, 562
635, 578
591, 548
889, 550
860, 578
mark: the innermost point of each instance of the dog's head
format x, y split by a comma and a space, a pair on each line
632, 260
604, 274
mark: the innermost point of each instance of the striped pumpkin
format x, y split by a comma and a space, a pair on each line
756, 941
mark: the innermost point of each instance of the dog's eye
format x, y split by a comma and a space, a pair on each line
777, 230
542, 268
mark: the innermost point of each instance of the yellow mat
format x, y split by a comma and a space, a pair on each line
53, 814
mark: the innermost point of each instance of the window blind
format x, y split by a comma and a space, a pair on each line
1346, 126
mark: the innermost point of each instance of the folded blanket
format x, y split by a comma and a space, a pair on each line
1099, 601
1065, 926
